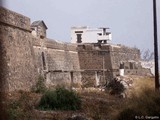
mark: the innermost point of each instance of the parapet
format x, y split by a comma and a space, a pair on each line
53, 44
14, 19
93, 47
124, 49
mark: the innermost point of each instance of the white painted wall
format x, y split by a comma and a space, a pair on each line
89, 35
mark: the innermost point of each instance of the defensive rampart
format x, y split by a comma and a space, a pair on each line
16, 41
26, 56
58, 61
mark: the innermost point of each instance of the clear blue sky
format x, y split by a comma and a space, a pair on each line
130, 20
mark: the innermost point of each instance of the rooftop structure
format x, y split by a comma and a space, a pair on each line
39, 29
84, 34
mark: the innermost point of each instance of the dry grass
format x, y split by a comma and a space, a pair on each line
143, 82
20, 105
146, 103
96, 105
143, 100
140, 83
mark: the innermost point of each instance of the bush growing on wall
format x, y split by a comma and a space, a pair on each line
40, 85
60, 99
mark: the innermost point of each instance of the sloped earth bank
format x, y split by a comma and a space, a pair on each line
96, 105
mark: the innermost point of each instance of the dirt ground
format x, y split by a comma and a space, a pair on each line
96, 105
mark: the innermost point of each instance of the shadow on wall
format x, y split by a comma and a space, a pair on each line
2, 77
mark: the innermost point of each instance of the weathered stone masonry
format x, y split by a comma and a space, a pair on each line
28, 53
96, 64
101, 62
18, 51
27, 56
60, 60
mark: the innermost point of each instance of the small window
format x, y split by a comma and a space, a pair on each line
121, 65
84, 47
79, 38
100, 34
42, 37
131, 65
43, 61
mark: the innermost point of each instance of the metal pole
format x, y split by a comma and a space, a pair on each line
155, 46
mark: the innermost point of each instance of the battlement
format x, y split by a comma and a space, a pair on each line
93, 47
107, 47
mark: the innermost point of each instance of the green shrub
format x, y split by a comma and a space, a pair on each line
60, 99
115, 87
40, 86
146, 103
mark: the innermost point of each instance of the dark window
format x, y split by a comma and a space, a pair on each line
78, 31
79, 38
42, 37
84, 47
43, 61
100, 34
121, 66
131, 65
99, 41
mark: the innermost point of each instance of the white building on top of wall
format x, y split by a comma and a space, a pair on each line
85, 34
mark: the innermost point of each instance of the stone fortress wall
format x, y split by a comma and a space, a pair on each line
16, 40
101, 62
57, 61
24, 59
27, 56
